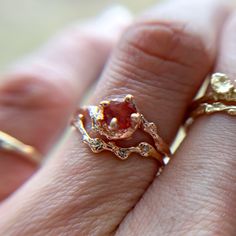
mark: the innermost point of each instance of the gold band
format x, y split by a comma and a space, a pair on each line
12, 145
120, 110
221, 98
144, 149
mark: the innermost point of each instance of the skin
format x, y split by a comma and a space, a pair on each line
161, 58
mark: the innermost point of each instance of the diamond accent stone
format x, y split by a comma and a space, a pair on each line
145, 149
221, 84
123, 153
97, 145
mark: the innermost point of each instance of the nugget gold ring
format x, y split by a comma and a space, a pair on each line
116, 119
10, 144
221, 97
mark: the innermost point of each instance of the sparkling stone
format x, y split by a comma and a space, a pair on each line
121, 110
97, 145
123, 153
145, 149
220, 83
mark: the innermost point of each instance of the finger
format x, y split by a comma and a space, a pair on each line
162, 62
196, 195
40, 94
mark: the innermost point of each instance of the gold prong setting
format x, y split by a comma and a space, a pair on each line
114, 124
129, 98
104, 103
111, 127
135, 119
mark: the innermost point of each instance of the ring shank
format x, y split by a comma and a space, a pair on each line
12, 145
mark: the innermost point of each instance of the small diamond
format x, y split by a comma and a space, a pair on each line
96, 145
220, 83
123, 153
145, 149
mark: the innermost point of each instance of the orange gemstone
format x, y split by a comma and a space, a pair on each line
120, 110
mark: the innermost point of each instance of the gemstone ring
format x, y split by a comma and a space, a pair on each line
115, 119
220, 98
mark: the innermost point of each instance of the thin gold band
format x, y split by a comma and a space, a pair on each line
98, 145
12, 145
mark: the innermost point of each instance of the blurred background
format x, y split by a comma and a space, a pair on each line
26, 24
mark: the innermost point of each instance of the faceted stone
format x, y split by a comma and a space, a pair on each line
121, 110
221, 84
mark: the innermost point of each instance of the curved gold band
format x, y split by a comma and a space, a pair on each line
221, 98
12, 145
98, 145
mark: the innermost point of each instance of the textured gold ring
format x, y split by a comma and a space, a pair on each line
221, 97
116, 119
10, 144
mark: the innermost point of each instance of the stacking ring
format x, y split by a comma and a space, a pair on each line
221, 97
10, 144
115, 119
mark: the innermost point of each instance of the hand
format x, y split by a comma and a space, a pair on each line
162, 59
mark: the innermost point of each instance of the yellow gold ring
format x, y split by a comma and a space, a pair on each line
221, 97
116, 119
12, 145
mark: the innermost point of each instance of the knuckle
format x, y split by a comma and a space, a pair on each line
32, 91
81, 41
168, 41
158, 49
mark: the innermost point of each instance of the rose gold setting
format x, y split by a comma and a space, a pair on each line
112, 129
